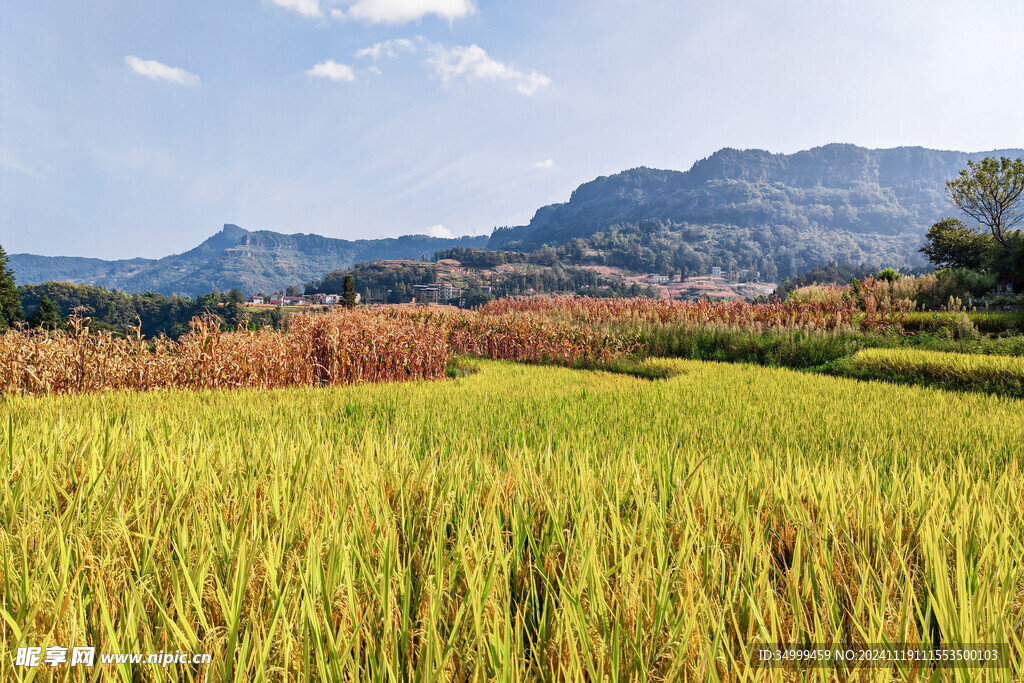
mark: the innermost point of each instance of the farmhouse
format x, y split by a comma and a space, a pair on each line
288, 301
327, 299
442, 291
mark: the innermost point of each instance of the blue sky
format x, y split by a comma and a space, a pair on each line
138, 127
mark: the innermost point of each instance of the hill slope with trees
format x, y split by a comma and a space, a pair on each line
776, 213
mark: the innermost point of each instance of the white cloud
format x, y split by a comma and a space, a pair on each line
532, 82
333, 71
459, 62
438, 231
160, 72
547, 163
9, 162
401, 11
307, 8
388, 48
473, 63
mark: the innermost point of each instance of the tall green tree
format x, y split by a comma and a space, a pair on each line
46, 316
952, 244
990, 191
10, 300
399, 294
348, 292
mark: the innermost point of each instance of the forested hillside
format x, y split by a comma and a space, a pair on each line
779, 214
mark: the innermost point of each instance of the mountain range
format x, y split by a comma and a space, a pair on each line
252, 261
839, 203
777, 213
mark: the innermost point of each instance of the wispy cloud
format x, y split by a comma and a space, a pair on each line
307, 8
387, 48
470, 63
402, 11
438, 231
160, 72
333, 71
473, 63
546, 164
9, 162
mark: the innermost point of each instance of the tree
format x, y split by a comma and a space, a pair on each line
232, 315
545, 256
399, 294
951, 244
473, 296
10, 300
889, 275
47, 316
348, 293
990, 192
1008, 264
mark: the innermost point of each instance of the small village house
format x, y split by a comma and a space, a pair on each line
327, 299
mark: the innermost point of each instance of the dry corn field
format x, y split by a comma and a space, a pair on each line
521, 523
348, 347
828, 314
381, 345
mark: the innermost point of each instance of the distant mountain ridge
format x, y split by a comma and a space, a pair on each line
855, 203
777, 214
257, 261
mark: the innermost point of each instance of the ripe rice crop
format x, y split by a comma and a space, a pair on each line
520, 523
1000, 374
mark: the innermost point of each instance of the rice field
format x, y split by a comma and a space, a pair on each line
522, 522
997, 374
